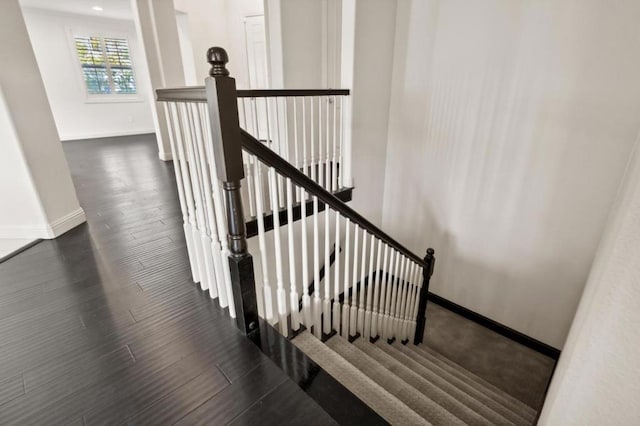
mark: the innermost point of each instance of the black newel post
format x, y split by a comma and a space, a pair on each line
227, 148
421, 320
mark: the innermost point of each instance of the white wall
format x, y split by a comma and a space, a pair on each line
186, 49
37, 193
301, 43
21, 208
76, 117
597, 380
157, 30
370, 94
207, 28
219, 23
510, 126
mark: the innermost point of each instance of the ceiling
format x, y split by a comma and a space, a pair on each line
120, 9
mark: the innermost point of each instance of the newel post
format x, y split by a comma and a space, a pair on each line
227, 148
427, 272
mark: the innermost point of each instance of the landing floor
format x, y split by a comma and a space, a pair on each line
512, 367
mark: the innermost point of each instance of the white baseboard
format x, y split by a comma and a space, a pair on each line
66, 223
51, 230
98, 135
165, 156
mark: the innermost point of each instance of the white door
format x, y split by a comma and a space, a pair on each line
256, 45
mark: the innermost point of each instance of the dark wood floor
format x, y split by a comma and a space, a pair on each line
103, 325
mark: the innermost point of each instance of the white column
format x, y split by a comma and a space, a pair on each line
37, 193
347, 66
597, 380
156, 26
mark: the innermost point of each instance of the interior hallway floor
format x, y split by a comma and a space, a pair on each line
104, 325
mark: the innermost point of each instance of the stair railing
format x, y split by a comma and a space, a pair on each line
377, 292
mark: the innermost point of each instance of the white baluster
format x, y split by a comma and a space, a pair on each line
345, 294
362, 290
178, 166
393, 273
376, 293
215, 277
410, 297
317, 304
402, 298
296, 150
346, 156
247, 158
280, 293
305, 155
220, 247
416, 301
279, 148
395, 298
295, 313
353, 315
274, 147
336, 279
314, 170
383, 291
327, 155
340, 171
370, 289
320, 146
334, 171
198, 230
326, 307
306, 299
409, 300
264, 263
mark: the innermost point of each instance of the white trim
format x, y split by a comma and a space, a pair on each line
113, 99
66, 223
165, 156
52, 230
98, 135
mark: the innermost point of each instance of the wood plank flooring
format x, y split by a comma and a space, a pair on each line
104, 325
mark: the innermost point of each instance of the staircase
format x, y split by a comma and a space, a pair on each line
412, 385
346, 293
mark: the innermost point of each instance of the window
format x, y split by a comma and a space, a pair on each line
106, 65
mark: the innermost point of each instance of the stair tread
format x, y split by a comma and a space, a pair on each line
420, 403
383, 402
443, 363
475, 397
464, 406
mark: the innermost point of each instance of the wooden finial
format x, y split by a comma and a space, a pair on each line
431, 261
218, 59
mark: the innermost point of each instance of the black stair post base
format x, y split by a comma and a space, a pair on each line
354, 338
405, 341
244, 294
390, 341
326, 337
294, 333
374, 339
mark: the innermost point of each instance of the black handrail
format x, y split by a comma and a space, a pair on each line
270, 158
272, 93
198, 93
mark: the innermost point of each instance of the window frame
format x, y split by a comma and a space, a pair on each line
104, 97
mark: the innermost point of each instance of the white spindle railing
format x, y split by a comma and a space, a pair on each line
315, 126
368, 287
200, 199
